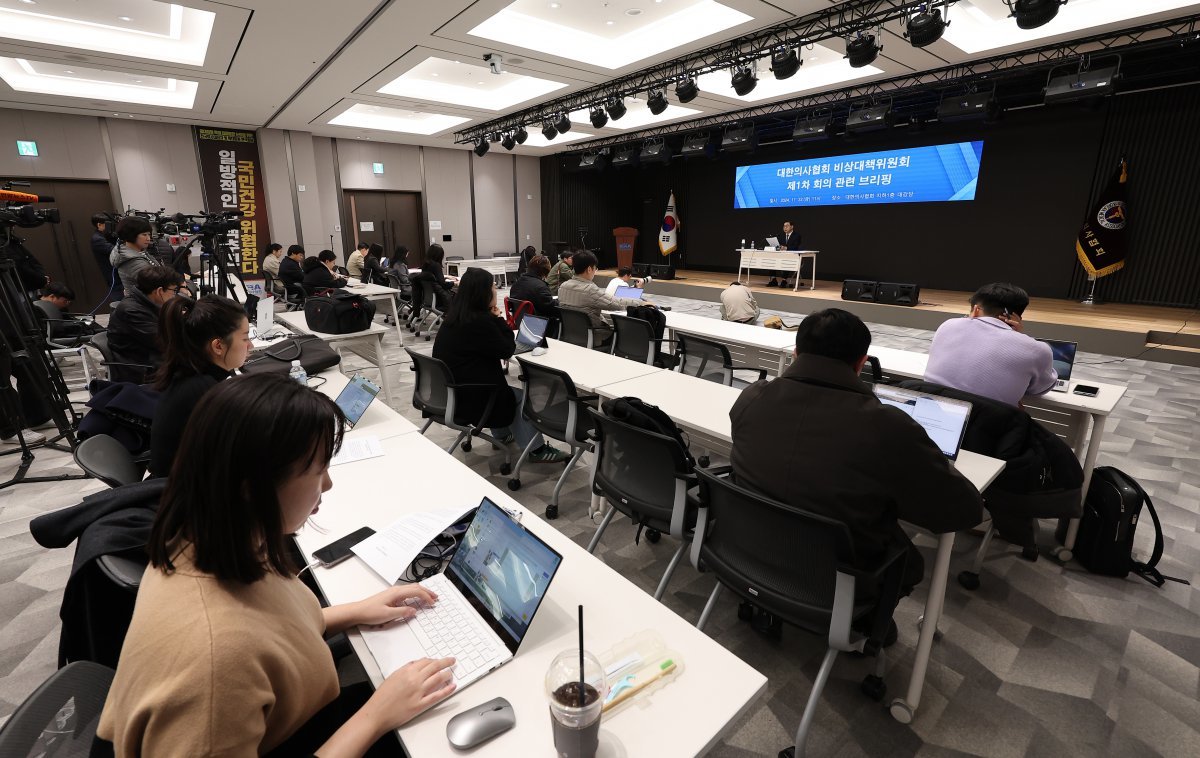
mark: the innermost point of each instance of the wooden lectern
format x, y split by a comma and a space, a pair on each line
626, 236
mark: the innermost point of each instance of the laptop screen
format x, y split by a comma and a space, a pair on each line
944, 419
503, 570
355, 397
532, 330
633, 293
1063, 356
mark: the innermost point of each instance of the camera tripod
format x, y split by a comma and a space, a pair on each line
25, 356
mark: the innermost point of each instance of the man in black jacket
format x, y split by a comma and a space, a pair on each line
321, 276
817, 438
102, 245
133, 325
532, 286
290, 272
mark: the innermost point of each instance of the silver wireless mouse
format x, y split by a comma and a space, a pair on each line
480, 723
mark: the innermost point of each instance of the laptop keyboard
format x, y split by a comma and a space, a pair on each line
451, 627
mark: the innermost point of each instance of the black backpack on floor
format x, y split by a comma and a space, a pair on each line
1104, 544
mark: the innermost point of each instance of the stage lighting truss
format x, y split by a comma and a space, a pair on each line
598, 117
744, 79
563, 125
1031, 14
785, 62
509, 141
863, 48
616, 107
927, 25
482, 146
548, 130
520, 135
657, 101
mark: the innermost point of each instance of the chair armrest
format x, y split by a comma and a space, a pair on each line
894, 553
585, 398
128, 365
477, 427
720, 470
762, 372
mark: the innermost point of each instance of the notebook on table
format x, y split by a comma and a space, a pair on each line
633, 293
356, 397
531, 333
1064, 361
487, 598
944, 419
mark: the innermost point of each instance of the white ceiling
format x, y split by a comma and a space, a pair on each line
412, 71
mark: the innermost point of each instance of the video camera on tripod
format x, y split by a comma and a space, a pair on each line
18, 208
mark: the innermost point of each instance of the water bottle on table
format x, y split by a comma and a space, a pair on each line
298, 373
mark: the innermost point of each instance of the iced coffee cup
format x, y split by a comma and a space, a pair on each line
575, 710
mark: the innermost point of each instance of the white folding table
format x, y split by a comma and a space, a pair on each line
379, 292
687, 716
749, 345
368, 343
498, 267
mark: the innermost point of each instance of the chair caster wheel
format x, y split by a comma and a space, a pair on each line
703, 461
901, 711
969, 580
466, 446
874, 687
1030, 553
505, 469
551, 512
745, 610
514, 484
426, 337
653, 536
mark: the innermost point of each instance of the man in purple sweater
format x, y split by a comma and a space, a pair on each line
988, 353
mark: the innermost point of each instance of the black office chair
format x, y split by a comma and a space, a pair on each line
708, 360
104, 458
61, 344
428, 309
576, 327
633, 338
60, 717
273, 285
402, 283
117, 371
646, 476
872, 372
558, 411
435, 395
798, 566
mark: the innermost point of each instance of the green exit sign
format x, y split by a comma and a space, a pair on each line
377, 168
25, 147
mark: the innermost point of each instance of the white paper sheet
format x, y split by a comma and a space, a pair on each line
357, 449
389, 552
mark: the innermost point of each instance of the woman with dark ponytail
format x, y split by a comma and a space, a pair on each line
203, 342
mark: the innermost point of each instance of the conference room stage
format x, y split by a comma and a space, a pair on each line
1115, 329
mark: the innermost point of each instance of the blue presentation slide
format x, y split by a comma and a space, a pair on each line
934, 174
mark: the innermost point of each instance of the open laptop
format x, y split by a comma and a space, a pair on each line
944, 419
772, 242
531, 333
633, 293
1064, 361
487, 597
356, 397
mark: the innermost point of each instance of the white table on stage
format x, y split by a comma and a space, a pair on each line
379, 420
367, 343
686, 717
701, 408
777, 260
749, 345
589, 369
1078, 419
379, 292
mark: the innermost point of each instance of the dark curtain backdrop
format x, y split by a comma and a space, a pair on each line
1039, 172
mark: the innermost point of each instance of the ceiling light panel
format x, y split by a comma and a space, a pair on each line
71, 80
581, 31
638, 115
387, 119
163, 32
981, 25
536, 139
456, 82
822, 68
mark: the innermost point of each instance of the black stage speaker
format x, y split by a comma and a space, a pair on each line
641, 270
859, 289
662, 272
895, 293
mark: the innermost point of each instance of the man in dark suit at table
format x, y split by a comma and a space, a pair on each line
818, 439
789, 240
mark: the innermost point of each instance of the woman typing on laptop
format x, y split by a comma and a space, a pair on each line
225, 653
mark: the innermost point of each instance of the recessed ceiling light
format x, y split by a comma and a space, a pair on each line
554, 5
29, 2
124, 18
610, 23
182, 35
435, 74
633, 12
69, 71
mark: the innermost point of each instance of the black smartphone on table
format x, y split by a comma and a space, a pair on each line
1086, 390
336, 552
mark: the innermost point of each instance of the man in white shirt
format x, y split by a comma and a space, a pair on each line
738, 304
624, 278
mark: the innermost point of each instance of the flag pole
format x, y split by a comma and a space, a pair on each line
1091, 295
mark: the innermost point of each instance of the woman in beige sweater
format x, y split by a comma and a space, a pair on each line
225, 654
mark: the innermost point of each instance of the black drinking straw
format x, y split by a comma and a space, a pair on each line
581, 656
